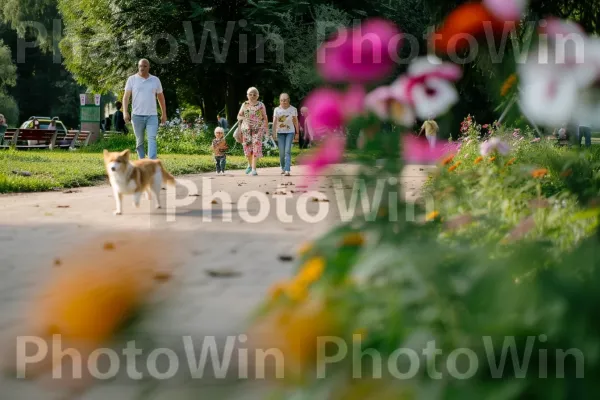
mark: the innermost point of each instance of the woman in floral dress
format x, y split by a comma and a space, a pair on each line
254, 124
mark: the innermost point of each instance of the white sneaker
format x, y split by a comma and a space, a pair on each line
287, 173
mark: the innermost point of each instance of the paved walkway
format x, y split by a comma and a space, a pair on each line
225, 262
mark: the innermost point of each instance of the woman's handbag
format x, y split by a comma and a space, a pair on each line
237, 135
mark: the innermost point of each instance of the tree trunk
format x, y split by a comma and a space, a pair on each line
231, 101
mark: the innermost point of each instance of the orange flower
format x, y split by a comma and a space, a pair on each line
508, 84
478, 160
539, 173
468, 19
432, 215
448, 159
492, 159
452, 168
95, 291
511, 161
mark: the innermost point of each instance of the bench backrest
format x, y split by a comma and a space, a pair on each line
44, 135
9, 135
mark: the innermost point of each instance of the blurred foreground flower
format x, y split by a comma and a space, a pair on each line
91, 296
331, 151
484, 20
558, 80
416, 150
294, 330
331, 109
494, 145
427, 86
388, 104
361, 54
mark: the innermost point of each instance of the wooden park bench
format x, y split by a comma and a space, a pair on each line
73, 139
8, 138
44, 138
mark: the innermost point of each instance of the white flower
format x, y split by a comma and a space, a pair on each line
494, 144
557, 79
428, 87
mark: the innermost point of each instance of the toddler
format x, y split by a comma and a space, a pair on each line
219, 147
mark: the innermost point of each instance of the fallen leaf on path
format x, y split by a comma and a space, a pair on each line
193, 195
214, 202
63, 206
224, 273
57, 262
109, 246
285, 257
162, 276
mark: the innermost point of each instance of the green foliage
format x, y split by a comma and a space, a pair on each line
191, 114
8, 75
9, 108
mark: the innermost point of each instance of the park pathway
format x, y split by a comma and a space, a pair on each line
226, 263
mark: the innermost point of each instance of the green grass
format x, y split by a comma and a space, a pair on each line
54, 170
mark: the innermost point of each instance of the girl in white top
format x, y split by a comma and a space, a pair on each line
285, 125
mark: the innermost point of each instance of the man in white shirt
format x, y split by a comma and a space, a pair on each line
285, 125
145, 89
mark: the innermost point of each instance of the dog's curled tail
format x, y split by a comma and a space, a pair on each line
167, 177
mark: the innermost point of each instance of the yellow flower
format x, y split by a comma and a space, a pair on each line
539, 173
297, 290
353, 239
312, 270
478, 160
294, 331
277, 290
432, 215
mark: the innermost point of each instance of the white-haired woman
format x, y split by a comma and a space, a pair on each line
253, 124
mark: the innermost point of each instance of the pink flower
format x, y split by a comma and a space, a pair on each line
485, 126
416, 150
331, 151
494, 145
330, 109
353, 102
427, 88
387, 104
325, 107
506, 10
363, 54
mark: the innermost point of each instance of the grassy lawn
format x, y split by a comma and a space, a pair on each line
54, 170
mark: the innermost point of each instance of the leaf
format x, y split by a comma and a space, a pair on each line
587, 214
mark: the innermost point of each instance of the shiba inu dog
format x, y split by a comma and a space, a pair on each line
135, 177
